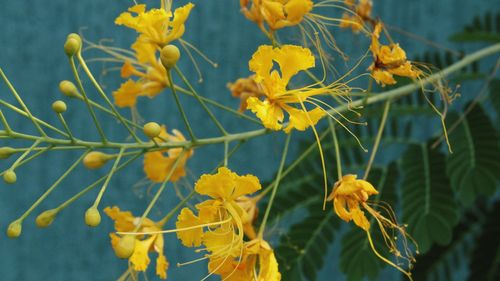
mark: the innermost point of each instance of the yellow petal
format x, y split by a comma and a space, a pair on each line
270, 114
391, 54
301, 120
219, 185
293, 59
268, 270
191, 237
157, 166
262, 62
223, 241
161, 266
297, 9
383, 77
126, 95
247, 184
358, 216
124, 221
140, 259
145, 51
180, 17
339, 205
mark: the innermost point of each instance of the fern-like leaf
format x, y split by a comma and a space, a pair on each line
474, 164
484, 28
429, 207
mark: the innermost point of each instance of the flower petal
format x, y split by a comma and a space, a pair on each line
191, 237
270, 114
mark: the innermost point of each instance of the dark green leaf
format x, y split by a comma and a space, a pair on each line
429, 207
475, 161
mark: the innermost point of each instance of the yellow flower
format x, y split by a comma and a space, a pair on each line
126, 222
277, 97
350, 197
362, 13
226, 215
156, 26
389, 60
347, 195
244, 88
157, 164
244, 268
276, 13
151, 73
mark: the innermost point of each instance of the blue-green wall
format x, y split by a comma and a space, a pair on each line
31, 37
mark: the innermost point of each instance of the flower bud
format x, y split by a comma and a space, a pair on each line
92, 217
73, 44
10, 177
6, 152
169, 56
68, 89
14, 229
95, 160
152, 129
125, 247
46, 218
59, 106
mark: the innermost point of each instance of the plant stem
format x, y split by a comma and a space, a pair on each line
179, 106
377, 139
108, 178
86, 100
65, 125
337, 150
275, 188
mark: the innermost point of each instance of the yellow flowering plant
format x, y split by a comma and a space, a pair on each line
241, 229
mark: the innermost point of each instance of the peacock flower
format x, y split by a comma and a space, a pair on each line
361, 13
220, 222
350, 197
243, 88
156, 26
151, 74
276, 13
257, 262
277, 98
158, 164
126, 222
389, 60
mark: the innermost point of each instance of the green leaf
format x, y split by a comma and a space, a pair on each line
357, 259
485, 260
429, 207
475, 36
439, 263
474, 164
301, 251
481, 30
495, 95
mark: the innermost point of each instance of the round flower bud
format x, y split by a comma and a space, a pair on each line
92, 217
68, 89
152, 129
125, 247
6, 152
169, 56
95, 160
59, 106
46, 218
14, 229
73, 44
9, 177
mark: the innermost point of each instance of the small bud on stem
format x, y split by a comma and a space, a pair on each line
96, 159
14, 230
9, 177
59, 106
68, 89
152, 130
125, 247
92, 217
46, 218
6, 152
73, 44
169, 56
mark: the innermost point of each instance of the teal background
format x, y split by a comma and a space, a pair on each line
31, 37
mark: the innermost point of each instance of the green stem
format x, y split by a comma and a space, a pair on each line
94, 184
160, 190
181, 109
65, 125
197, 97
108, 178
21, 102
275, 188
8, 130
43, 123
50, 189
86, 100
105, 97
16, 163
337, 149
377, 139
38, 153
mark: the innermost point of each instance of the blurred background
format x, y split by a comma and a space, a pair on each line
32, 34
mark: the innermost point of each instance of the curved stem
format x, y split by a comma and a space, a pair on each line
377, 139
